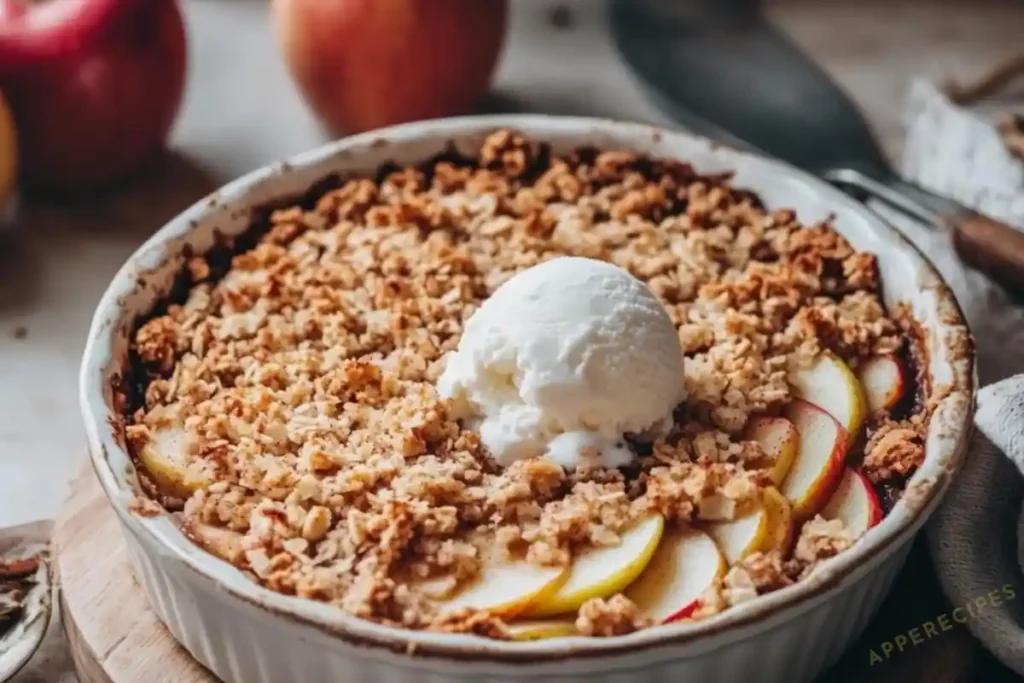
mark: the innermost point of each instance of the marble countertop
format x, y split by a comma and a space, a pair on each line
242, 112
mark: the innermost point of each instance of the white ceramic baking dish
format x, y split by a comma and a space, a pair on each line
247, 634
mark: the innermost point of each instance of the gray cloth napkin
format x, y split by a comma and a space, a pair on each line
977, 536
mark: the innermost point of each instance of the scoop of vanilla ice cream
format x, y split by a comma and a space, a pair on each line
563, 360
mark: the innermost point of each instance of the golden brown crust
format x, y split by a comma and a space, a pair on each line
304, 377
895, 449
819, 540
615, 616
767, 571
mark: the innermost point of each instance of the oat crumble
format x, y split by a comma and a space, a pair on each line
302, 378
615, 616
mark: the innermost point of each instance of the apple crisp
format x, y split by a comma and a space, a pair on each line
284, 405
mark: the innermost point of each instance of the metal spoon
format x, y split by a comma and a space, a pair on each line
720, 68
20, 640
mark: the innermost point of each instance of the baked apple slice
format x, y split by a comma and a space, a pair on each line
769, 527
779, 440
818, 466
166, 460
605, 571
542, 629
686, 564
884, 380
832, 386
503, 587
224, 543
855, 503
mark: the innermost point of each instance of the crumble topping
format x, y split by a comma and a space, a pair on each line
820, 539
471, 621
615, 616
895, 449
767, 571
303, 378
739, 587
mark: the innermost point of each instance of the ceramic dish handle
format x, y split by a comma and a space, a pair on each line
995, 248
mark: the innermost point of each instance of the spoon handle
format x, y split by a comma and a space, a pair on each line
993, 247
990, 246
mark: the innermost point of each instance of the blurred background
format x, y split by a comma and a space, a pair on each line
255, 77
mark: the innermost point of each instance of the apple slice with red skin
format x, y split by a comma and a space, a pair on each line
779, 440
831, 385
685, 565
884, 379
855, 503
818, 466
769, 527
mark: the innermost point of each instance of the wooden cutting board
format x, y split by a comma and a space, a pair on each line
116, 638
113, 635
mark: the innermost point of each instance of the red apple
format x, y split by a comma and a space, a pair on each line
94, 86
363, 64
